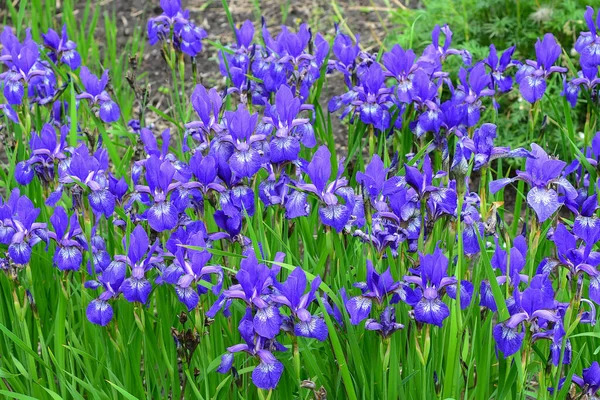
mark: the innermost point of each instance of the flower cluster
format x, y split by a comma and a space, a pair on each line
251, 151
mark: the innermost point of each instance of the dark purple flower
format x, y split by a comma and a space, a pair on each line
376, 289
140, 258
386, 325
46, 152
163, 214
18, 228
536, 302
95, 92
482, 145
291, 294
290, 130
500, 79
429, 281
588, 43
332, 212
472, 90
542, 173
69, 238
532, 75
61, 48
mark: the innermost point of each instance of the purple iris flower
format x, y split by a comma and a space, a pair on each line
541, 172
61, 48
429, 282
588, 43
290, 131
163, 214
23, 63
207, 104
440, 199
89, 171
187, 37
386, 325
482, 145
46, 152
267, 373
534, 305
140, 258
370, 99
586, 78
291, 294
95, 92
254, 288
100, 257
281, 191
332, 212
588, 382
401, 65
426, 101
377, 184
500, 80
346, 52
556, 335
69, 239
473, 226
250, 151
510, 270
434, 54
99, 311
189, 269
376, 289
472, 90
18, 228
532, 75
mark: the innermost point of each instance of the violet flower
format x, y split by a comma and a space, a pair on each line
267, 373
250, 151
332, 212
18, 228
542, 173
163, 214
429, 282
290, 131
291, 294
61, 48
376, 289
69, 239
140, 258
500, 80
386, 325
535, 304
46, 152
532, 75
95, 92
472, 90
588, 44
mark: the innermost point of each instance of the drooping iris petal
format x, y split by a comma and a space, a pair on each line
315, 328
507, 339
99, 312
162, 216
266, 375
431, 311
359, 308
19, 253
543, 201
68, 258
267, 322
136, 290
187, 296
